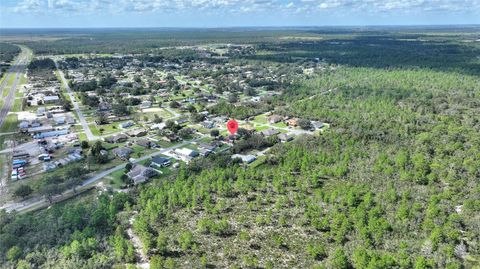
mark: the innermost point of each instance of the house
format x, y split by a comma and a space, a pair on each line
23, 125
122, 153
120, 138
51, 99
186, 154
171, 138
51, 134
140, 174
269, 132
208, 124
244, 158
275, 118
137, 133
70, 120
285, 137
181, 121
124, 125
318, 124
40, 111
210, 147
59, 120
145, 104
204, 152
145, 143
292, 122
158, 126
160, 161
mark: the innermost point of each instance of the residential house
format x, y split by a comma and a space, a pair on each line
124, 125
285, 137
145, 143
158, 126
140, 173
119, 138
275, 118
123, 152
269, 132
244, 158
208, 124
318, 124
186, 154
52, 99
292, 122
160, 162
137, 133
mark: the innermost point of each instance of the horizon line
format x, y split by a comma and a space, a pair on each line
246, 26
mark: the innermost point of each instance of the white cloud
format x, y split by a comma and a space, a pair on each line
245, 6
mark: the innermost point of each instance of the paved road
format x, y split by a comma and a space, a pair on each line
16, 70
38, 202
84, 123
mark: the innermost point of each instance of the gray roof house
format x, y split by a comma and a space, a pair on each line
122, 153
140, 173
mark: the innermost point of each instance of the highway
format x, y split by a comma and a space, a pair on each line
40, 202
16, 70
76, 107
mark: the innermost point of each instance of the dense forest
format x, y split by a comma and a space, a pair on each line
394, 183
7, 54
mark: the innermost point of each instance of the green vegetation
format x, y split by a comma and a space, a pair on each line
393, 183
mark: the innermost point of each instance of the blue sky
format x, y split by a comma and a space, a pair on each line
225, 13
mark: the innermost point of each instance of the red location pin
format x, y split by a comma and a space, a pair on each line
232, 126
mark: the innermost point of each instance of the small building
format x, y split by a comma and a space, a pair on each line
285, 137
137, 133
158, 126
40, 111
140, 173
51, 134
123, 152
207, 146
204, 152
52, 99
270, 132
292, 122
124, 125
244, 158
145, 143
275, 118
59, 120
208, 124
181, 121
145, 104
159, 162
120, 138
318, 124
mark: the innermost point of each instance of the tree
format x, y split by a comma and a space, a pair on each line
14, 253
50, 190
214, 133
75, 171
174, 104
157, 119
84, 144
73, 182
339, 260
157, 262
162, 243
23, 191
305, 124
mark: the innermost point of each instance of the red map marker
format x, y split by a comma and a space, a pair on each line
232, 126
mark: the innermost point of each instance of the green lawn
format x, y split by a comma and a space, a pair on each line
261, 119
10, 123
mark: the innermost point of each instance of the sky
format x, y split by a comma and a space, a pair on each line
232, 13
